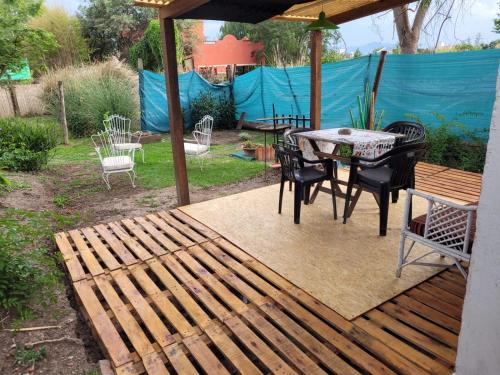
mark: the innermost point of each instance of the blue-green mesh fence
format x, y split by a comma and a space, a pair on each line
433, 88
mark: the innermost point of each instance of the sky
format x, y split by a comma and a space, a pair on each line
475, 18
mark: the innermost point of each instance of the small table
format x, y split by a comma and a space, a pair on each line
366, 143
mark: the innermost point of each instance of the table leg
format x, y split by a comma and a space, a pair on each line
265, 155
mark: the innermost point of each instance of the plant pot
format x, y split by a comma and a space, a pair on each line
249, 151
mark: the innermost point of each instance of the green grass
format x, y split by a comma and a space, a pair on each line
26, 357
158, 171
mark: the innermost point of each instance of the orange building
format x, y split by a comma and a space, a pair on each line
219, 54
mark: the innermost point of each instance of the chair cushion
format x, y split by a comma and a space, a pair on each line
113, 163
127, 146
375, 175
308, 174
194, 148
417, 225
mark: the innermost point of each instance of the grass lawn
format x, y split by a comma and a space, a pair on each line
158, 171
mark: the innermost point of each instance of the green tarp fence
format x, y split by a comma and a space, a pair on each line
435, 88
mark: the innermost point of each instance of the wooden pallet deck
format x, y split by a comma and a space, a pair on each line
448, 182
166, 294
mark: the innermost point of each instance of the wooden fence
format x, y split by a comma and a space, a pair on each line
28, 99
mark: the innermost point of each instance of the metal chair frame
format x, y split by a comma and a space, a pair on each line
119, 129
447, 232
202, 135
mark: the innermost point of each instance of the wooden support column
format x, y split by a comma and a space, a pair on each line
316, 50
174, 109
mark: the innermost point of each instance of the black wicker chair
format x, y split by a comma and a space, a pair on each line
390, 172
414, 132
293, 169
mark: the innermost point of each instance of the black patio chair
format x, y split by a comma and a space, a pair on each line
390, 172
293, 169
291, 140
413, 131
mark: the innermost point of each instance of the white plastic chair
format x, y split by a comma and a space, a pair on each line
113, 160
200, 146
447, 232
119, 129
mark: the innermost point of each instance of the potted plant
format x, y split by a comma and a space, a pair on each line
249, 148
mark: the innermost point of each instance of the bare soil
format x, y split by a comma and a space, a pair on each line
90, 203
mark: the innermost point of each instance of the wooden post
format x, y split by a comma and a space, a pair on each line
174, 109
62, 112
140, 64
373, 97
316, 49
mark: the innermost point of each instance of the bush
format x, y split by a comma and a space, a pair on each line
25, 144
452, 145
221, 109
91, 92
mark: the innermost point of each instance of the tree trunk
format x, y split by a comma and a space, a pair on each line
409, 35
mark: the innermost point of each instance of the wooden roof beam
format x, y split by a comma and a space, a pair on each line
179, 7
367, 10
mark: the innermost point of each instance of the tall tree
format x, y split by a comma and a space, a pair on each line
112, 26
496, 22
409, 33
285, 43
19, 40
67, 31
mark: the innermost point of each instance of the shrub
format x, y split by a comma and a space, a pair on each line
221, 109
91, 92
25, 144
451, 144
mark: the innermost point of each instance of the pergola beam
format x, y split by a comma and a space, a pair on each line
315, 108
367, 10
177, 8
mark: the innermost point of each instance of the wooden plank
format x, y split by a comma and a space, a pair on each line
147, 241
428, 312
254, 344
157, 235
103, 252
435, 303
116, 245
207, 360
422, 341
423, 325
153, 364
315, 105
183, 228
132, 329
154, 324
203, 229
178, 291
167, 308
73, 265
132, 244
231, 351
108, 335
89, 259
442, 294
427, 363
179, 360
451, 287
173, 233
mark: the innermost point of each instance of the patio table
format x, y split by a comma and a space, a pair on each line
365, 143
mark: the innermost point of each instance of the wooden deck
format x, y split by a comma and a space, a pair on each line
448, 182
166, 294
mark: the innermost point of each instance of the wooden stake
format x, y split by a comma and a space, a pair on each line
371, 120
174, 109
62, 113
316, 79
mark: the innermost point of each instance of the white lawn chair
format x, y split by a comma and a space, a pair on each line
113, 160
200, 146
119, 129
448, 231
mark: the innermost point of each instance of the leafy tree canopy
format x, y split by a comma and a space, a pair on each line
19, 40
286, 43
496, 22
112, 26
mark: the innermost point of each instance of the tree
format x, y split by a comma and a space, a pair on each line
357, 53
17, 39
112, 26
72, 49
149, 49
285, 43
496, 22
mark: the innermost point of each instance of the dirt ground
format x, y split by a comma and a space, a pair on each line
90, 203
